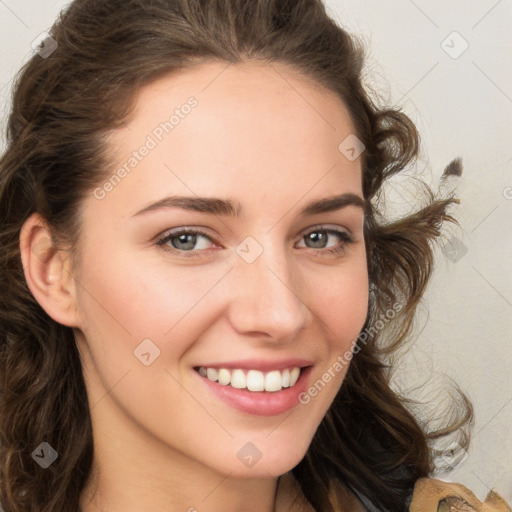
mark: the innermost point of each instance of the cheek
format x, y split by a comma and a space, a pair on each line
343, 305
343, 308
140, 299
127, 301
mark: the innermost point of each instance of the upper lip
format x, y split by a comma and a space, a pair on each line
260, 364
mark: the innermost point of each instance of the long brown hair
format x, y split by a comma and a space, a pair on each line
64, 103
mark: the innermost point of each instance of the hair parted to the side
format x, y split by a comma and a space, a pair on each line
64, 105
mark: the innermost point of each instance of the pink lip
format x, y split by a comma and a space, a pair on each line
260, 403
263, 365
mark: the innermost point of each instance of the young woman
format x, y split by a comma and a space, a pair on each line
200, 294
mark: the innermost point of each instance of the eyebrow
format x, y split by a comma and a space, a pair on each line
227, 207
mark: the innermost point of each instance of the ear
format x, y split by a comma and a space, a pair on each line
48, 271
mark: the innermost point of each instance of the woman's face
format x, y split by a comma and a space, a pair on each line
245, 287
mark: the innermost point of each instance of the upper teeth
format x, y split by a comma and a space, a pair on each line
253, 380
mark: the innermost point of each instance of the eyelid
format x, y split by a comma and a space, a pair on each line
327, 227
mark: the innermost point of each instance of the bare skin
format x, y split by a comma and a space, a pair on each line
264, 137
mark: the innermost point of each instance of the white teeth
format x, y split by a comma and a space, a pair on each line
212, 374
253, 380
273, 381
294, 375
224, 376
286, 378
238, 379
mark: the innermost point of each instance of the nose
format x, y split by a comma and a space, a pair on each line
267, 297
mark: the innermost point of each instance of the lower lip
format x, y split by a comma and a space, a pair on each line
260, 403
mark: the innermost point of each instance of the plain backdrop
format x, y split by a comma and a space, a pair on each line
447, 64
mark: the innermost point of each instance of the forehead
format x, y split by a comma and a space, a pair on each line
275, 84
262, 127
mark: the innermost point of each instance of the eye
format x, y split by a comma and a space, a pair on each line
189, 242
319, 237
185, 240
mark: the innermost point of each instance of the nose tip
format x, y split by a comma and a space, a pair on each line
267, 301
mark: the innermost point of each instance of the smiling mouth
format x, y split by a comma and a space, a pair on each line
252, 380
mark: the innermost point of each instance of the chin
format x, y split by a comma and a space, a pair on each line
267, 458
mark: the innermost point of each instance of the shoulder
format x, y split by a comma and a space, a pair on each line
432, 495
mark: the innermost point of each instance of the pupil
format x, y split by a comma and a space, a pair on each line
182, 239
318, 238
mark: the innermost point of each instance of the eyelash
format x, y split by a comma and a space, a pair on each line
345, 237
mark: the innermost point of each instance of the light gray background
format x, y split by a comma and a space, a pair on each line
462, 107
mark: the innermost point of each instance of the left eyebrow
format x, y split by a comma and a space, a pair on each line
224, 207
330, 204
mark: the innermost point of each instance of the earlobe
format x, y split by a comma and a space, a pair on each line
48, 272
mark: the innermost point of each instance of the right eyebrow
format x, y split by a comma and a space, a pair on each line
211, 205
